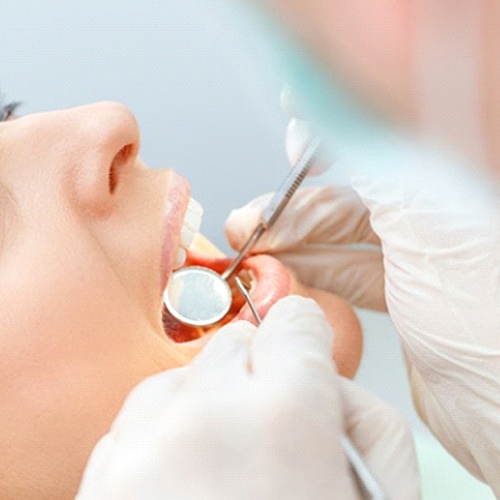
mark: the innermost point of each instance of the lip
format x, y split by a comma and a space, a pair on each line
176, 201
272, 282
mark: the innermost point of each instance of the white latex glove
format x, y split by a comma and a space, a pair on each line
441, 254
324, 236
442, 271
256, 415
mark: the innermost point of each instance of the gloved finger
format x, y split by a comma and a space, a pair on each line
226, 355
145, 407
149, 399
100, 462
299, 134
294, 342
384, 439
332, 215
355, 274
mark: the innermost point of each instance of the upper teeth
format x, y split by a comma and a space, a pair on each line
192, 223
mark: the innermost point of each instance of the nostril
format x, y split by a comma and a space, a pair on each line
120, 160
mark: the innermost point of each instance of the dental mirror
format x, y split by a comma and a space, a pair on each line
197, 296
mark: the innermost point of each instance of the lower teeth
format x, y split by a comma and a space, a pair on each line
180, 258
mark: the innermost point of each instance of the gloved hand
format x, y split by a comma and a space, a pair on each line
257, 414
442, 284
324, 236
441, 254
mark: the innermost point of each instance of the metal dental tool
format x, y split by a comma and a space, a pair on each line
368, 483
251, 305
198, 296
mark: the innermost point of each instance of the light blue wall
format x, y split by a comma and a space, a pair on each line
206, 99
204, 106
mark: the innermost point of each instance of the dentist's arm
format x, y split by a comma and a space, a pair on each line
258, 414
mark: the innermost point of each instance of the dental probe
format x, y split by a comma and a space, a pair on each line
368, 483
251, 305
278, 202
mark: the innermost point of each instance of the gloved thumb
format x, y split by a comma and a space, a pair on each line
294, 339
325, 237
331, 215
299, 135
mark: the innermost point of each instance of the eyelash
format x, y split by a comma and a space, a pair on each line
7, 110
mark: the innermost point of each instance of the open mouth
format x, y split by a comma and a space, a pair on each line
267, 279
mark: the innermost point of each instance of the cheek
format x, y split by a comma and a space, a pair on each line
62, 378
348, 336
59, 294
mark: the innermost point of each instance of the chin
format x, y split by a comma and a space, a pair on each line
269, 281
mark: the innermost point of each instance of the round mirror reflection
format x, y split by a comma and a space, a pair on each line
197, 296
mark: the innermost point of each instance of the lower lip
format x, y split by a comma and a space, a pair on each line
272, 282
176, 202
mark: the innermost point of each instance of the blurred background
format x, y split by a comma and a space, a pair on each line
202, 83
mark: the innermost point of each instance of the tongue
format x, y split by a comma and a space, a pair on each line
270, 282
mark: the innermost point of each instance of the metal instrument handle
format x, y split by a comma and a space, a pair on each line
291, 183
277, 203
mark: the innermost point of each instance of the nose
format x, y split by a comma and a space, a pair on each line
105, 140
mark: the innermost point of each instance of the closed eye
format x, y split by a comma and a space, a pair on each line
7, 111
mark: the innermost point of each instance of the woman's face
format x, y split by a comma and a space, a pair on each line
88, 239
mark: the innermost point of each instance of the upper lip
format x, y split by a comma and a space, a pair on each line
176, 202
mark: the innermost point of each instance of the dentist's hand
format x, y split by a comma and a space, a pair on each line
258, 414
324, 236
442, 286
